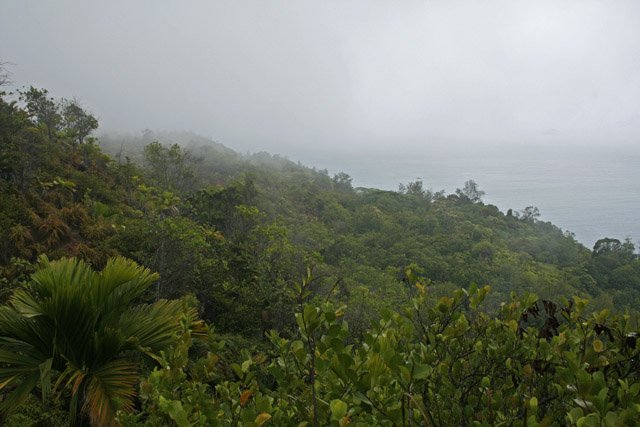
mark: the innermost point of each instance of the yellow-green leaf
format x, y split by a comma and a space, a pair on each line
338, 408
262, 418
513, 325
598, 346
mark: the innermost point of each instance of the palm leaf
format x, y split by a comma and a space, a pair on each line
76, 376
19, 334
152, 327
109, 388
119, 282
20, 393
25, 304
53, 276
45, 377
18, 361
79, 322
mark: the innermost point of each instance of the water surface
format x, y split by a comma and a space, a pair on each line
592, 192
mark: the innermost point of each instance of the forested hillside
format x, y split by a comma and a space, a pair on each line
249, 240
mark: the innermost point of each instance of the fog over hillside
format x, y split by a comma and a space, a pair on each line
504, 92
280, 76
297, 212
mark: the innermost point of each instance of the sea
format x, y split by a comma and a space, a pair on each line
593, 192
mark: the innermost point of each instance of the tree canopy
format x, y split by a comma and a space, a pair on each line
332, 304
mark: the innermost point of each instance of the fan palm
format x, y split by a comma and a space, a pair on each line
80, 323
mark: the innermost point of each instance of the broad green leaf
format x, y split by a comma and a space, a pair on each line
338, 408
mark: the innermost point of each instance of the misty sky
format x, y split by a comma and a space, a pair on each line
281, 75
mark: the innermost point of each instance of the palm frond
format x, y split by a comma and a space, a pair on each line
78, 321
45, 377
152, 327
109, 388
25, 336
119, 283
76, 376
25, 304
20, 393
18, 361
53, 276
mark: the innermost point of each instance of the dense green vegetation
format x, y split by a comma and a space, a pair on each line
383, 335
79, 323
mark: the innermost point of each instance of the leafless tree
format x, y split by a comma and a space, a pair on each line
4, 74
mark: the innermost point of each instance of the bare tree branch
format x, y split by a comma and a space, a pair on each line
4, 74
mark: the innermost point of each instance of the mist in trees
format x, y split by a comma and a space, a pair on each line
250, 240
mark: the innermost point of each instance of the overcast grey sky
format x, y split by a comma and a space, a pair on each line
281, 75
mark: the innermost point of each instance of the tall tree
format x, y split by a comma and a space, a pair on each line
76, 121
530, 214
171, 166
43, 109
471, 191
